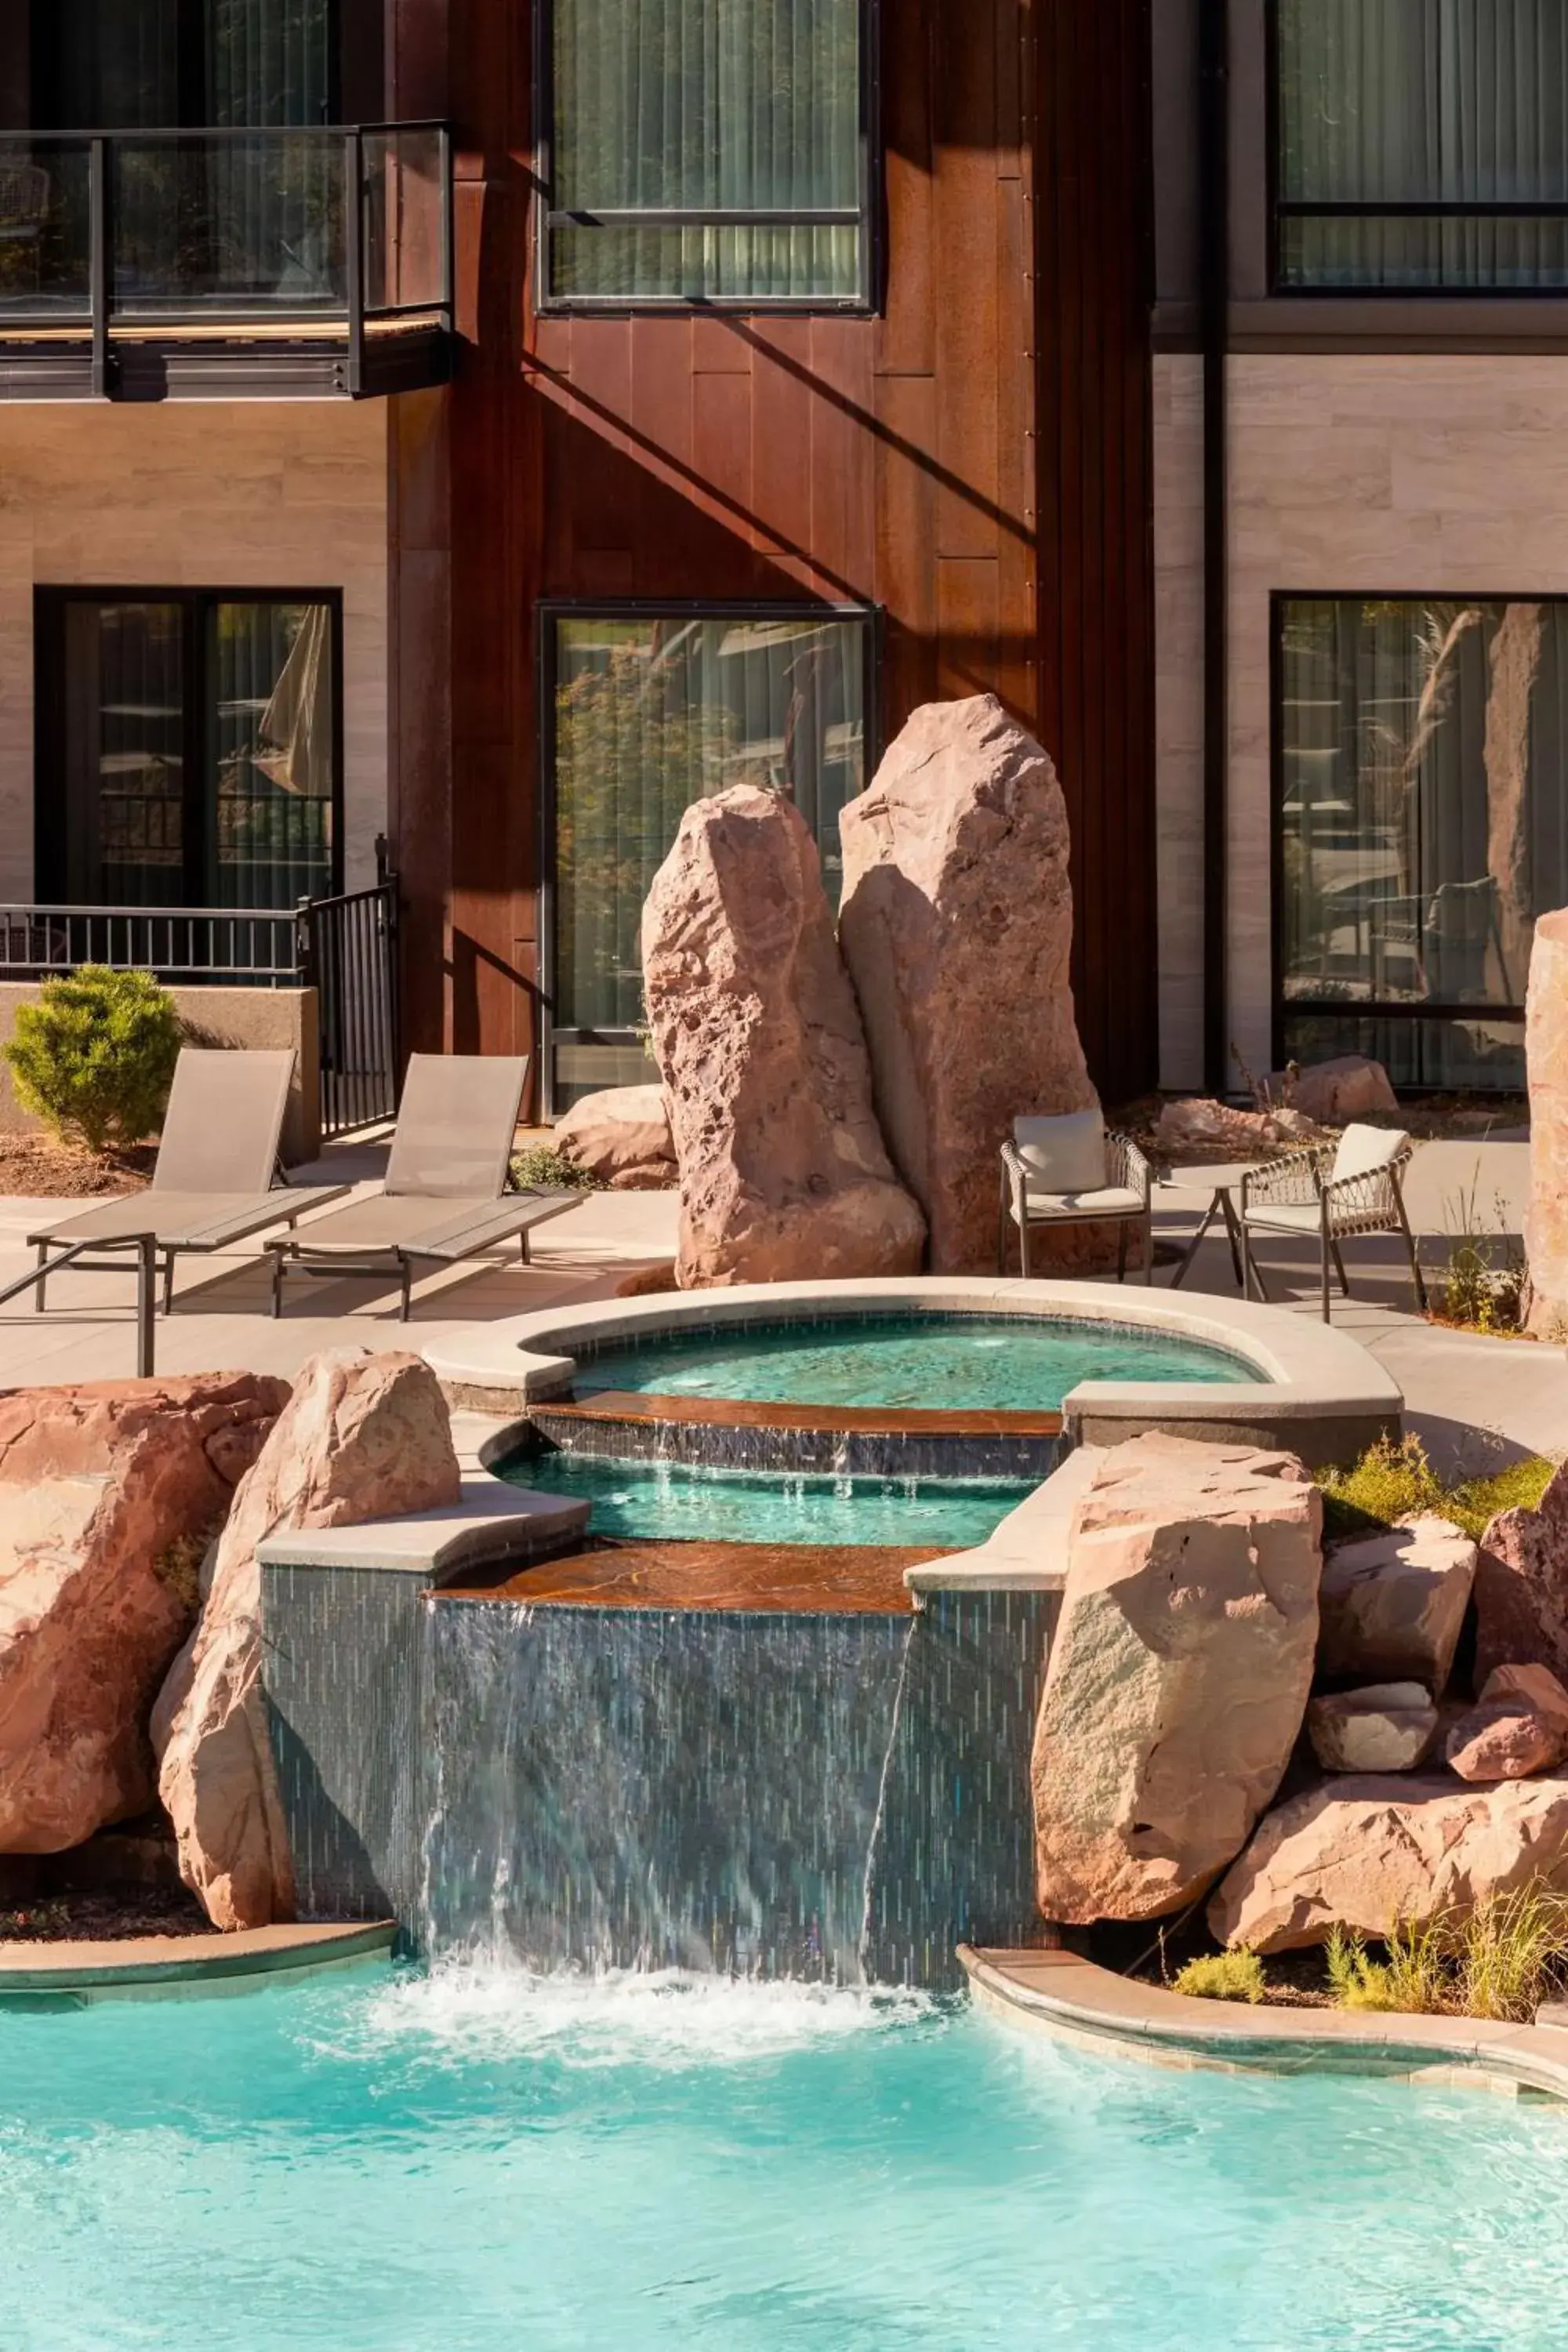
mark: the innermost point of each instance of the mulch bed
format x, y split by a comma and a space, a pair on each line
111, 1915
38, 1168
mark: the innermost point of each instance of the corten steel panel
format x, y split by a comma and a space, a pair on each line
973, 461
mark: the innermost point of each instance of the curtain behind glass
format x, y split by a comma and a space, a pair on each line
271, 755
652, 715
703, 105
1423, 806
1423, 102
124, 745
277, 204
107, 64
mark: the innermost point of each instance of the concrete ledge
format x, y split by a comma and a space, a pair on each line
1013, 1557
144, 1968
1057, 1994
489, 1523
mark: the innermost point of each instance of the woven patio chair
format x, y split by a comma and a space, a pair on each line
1331, 1194
1069, 1172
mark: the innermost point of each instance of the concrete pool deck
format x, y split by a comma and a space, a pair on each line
64, 1973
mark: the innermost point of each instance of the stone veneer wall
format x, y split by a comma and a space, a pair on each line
787, 1794
1380, 473
274, 495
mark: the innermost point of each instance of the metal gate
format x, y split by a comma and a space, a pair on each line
348, 953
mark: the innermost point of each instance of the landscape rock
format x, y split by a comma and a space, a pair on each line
1546, 1061
622, 1136
1520, 1725
363, 1437
1367, 1854
956, 925
1383, 1728
1333, 1094
109, 1495
1198, 1128
1179, 1675
1521, 1587
1394, 1603
783, 1174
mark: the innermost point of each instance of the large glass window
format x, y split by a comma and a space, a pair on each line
650, 713
1422, 825
1422, 144
188, 751
707, 150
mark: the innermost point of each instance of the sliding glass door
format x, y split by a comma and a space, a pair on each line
189, 750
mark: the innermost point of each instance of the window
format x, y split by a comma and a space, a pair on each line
649, 712
1421, 827
707, 150
1421, 144
188, 751
154, 65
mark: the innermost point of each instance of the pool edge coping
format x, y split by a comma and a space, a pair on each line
174, 1965
1087, 2007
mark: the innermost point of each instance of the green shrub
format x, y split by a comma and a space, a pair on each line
1392, 1482
1224, 1976
539, 1170
1413, 1978
95, 1057
1502, 1961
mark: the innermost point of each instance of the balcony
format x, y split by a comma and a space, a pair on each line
212, 265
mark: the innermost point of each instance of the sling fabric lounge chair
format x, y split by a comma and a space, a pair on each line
213, 1182
445, 1197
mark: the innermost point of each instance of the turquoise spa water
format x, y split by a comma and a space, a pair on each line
668, 1502
949, 1363
491, 2164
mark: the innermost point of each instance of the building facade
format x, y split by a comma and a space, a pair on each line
479, 427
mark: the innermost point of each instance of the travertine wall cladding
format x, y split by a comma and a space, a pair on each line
1413, 475
227, 495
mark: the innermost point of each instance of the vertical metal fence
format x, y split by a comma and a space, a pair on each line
347, 950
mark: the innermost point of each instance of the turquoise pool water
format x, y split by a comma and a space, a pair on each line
490, 2165
667, 1501
956, 1362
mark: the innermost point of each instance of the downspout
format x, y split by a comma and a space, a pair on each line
1214, 308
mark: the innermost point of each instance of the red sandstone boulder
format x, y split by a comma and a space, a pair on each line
957, 929
109, 1496
1522, 1587
1519, 1727
1370, 1853
1333, 1094
784, 1175
622, 1136
1546, 1060
1179, 1675
364, 1437
1394, 1603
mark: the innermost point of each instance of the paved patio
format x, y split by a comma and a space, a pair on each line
1474, 1401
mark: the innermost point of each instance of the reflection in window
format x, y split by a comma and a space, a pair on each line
1422, 826
1458, 104
650, 715
706, 108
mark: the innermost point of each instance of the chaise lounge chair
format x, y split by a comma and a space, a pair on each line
444, 1198
213, 1184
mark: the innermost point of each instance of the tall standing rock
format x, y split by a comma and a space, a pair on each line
784, 1174
957, 929
1521, 1587
1546, 1057
363, 1437
1179, 1677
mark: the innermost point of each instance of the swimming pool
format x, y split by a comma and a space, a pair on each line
643, 2165
670, 1501
957, 1363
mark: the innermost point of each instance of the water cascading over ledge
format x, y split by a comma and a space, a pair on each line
837, 1793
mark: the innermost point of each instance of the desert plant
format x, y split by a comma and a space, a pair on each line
1501, 1959
1413, 1978
540, 1170
1393, 1480
95, 1057
1484, 1283
1223, 1976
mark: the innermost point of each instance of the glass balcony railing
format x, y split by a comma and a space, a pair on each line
143, 229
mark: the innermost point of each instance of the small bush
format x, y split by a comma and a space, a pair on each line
95, 1057
1413, 1978
1224, 1976
540, 1170
1484, 1284
1391, 1483
1475, 1504
1502, 1961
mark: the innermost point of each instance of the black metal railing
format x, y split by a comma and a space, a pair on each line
245, 946
149, 229
347, 951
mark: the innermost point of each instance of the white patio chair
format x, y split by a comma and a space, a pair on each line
1068, 1171
1331, 1194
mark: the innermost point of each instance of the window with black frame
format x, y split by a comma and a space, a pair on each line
188, 749
649, 712
706, 150
1421, 825
1421, 145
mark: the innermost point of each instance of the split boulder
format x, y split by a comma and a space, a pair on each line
110, 1495
1179, 1677
1384, 1727
957, 928
1394, 1603
1368, 1854
1521, 1587
620, 1134
363, 1437
784, 1174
